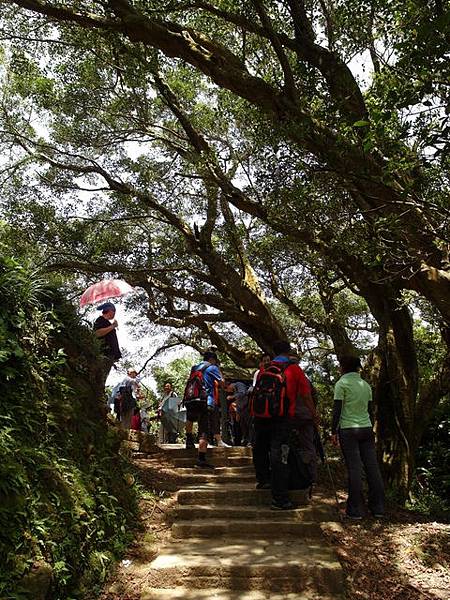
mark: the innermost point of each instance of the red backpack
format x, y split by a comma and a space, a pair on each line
268, 398
195, 390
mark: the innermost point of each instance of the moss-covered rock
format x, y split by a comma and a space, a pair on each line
37, 582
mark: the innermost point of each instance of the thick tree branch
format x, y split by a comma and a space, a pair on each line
289, 82
62, 14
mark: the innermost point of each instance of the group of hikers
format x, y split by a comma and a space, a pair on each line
276, 415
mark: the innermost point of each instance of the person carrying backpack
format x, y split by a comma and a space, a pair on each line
201, 406
237, 400
280, 393
307, 427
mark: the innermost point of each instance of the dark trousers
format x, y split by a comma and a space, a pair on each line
358, 448
270, 455
237, 433
105, 367
213, 423
246, 424
305, 432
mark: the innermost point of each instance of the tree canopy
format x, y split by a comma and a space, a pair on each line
234, 161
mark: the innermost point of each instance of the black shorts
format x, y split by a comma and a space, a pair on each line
214, 420
197, 412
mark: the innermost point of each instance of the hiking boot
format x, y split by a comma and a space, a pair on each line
288, 505
202, 464
353, 517
263, 486
190, 444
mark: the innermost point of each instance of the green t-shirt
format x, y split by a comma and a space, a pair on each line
355, 394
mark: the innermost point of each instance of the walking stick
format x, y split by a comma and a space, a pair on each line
323, 457
333, 487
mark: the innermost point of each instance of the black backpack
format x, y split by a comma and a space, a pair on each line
128, 402
268, 398
195, 390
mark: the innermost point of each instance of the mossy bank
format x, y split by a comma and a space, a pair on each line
66, 505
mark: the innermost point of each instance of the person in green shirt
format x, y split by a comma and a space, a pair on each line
352, 424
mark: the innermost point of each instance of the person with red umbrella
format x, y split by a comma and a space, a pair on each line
104, 329
106, 332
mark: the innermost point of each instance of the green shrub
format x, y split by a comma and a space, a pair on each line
431, 489
65, 506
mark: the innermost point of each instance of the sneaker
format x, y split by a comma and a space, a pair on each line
263, 486
283, 505
202, 464
221, 444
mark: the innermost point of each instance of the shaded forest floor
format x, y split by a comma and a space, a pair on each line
405, 557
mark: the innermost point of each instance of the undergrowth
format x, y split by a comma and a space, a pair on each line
66, 504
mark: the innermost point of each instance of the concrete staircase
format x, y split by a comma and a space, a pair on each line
228, 545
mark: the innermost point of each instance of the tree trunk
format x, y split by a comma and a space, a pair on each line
394, 373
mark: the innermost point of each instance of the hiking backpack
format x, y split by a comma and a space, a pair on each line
195, 390
128, 402
268, 398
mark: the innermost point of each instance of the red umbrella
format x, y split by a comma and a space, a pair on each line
103, 290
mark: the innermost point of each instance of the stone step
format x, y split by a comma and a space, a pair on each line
179, 593
177, 451
215, 459
201, 478
237, 495
242, 470
145, 441
315, 511
131, 445
288, 565
139, 455
210, 528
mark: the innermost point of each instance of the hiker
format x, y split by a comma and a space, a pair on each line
106, 332
200, 402
117, 402
136, 420
213, 381
128, 389
307, 426
265, 361
279, 395
116, 397
352, 428
170, 404
237, 399
141, 400
145, 421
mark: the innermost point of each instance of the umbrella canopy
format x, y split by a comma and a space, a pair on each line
103, 290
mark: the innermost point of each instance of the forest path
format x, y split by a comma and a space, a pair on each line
226, 543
